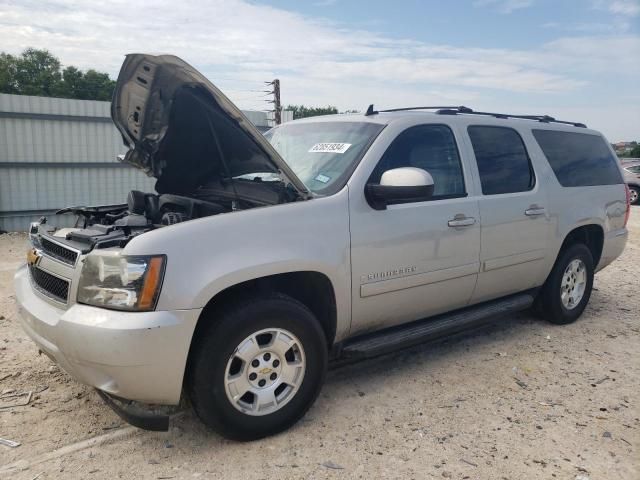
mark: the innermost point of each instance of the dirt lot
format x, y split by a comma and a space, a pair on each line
520, 399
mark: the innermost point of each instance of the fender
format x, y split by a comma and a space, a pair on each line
208, 255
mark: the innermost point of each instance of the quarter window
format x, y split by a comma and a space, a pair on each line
579, 159
431, 148
503, 162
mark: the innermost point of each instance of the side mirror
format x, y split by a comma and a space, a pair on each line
400, 185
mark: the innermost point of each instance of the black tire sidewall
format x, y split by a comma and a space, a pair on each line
207, 371
553, 309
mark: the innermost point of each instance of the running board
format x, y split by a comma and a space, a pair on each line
396, 338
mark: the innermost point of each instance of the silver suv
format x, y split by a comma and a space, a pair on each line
260, 258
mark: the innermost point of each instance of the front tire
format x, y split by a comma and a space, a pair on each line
258, 368
566, 292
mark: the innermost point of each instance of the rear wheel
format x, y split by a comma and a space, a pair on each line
634, 195
566, 292
258, 368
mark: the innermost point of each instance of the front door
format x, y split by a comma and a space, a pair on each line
418, 259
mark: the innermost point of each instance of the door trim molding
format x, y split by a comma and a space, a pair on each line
419, 279
502, 262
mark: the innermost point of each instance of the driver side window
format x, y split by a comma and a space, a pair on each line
429, 147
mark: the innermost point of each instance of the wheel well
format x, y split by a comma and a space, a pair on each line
313, 289
590, 235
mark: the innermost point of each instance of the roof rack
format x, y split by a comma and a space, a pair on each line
466, 110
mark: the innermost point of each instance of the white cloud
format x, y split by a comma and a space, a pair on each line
238, 45
619, 7
504, 6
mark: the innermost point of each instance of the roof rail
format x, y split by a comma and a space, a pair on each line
460, 109
468, 111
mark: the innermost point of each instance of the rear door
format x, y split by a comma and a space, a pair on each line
513, 212
416, 259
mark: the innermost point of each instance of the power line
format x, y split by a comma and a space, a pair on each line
218, 79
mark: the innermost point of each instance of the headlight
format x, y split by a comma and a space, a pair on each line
121, 282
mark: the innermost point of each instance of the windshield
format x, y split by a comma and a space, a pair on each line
323, 154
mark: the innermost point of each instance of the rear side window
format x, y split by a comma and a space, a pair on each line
503, 162
578, 159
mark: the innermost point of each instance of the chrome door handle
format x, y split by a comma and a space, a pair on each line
461, 221
534, 211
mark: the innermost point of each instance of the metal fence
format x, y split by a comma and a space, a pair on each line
59, 152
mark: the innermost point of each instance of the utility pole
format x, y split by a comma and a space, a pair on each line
277, 107
276, 98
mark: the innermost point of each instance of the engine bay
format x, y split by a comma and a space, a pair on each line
114, 225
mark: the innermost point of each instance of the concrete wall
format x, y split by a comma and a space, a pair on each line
58, 152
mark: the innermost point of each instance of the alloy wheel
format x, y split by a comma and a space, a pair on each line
574, 281
265, 371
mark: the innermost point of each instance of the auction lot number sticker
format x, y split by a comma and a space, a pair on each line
329, 148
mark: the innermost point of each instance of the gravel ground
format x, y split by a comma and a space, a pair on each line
520, 399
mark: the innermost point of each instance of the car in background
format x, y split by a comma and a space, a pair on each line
631, 172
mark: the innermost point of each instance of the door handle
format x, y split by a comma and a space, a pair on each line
461, 221
534, 211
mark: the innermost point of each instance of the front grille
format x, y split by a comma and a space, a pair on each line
50, 285
58, 251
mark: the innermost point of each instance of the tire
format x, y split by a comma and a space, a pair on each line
634, 190
265, 325
550, 303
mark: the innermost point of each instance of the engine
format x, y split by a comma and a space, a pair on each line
115, 225
166, 209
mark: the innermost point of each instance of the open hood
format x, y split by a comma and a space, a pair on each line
184, 131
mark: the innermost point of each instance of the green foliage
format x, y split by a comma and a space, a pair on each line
300, 111
7, 73
635, 152
38, 72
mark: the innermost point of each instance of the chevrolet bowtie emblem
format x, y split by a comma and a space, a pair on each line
265, 370
33, 257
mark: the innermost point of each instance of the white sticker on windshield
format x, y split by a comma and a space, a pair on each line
323, 178
330, 148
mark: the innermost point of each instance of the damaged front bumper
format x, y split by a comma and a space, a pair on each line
139, 416
137, 356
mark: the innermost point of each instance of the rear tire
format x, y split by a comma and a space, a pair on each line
258, 368
567, 290
634, 194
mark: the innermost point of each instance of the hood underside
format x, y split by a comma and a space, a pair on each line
185, 132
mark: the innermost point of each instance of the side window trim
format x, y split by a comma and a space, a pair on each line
463, 171
532, 171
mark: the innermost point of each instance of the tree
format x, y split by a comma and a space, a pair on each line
72, 80
8, 73
38, 72
635, 152
300, 111
96, 86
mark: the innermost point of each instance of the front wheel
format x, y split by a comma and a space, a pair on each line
566, 292
258, 368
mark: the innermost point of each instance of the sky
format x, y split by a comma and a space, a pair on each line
575, 60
